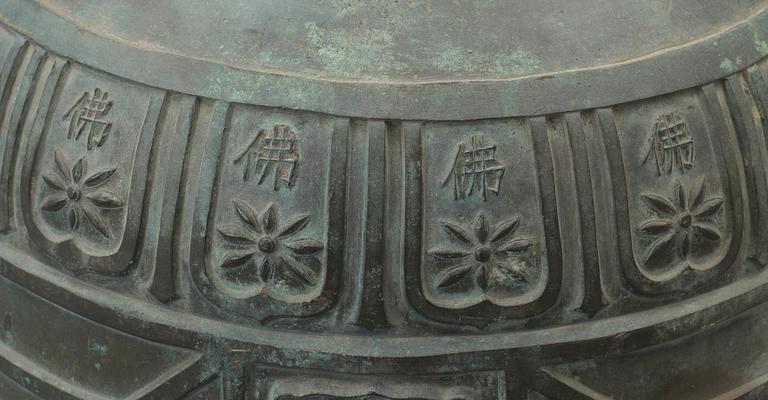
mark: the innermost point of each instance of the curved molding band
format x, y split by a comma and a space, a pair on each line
694, 63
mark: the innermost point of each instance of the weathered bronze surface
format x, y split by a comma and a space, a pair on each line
283, 199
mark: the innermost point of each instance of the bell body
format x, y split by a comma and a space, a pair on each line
265, 199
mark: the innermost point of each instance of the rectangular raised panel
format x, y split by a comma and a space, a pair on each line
284, 384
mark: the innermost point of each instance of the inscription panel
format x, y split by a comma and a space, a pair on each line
683, 209
267, 239
484, 249
283, 384
491, 205
87, 171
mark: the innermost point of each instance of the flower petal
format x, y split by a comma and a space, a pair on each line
105, 199
707, 231
54, 202
515, 246
78, 170
710, 207
660, 253
682, 201
54, 182
298, 271
294, 226
266, 272
481, 228
696, 192
655, 226
247, 214
452, 276
98, 222
233, 260
63, 165
235, 234
481, 277
505, 230
456, 232
658, 204
269, 220
685, 245
517, 275
100, 177
305, 246
74, 218
445, 254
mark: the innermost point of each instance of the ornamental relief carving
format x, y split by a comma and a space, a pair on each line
484, 258
265, 251
265, 256
682, 220
79, 196
684, 229
484, 240
88, 118
87, 171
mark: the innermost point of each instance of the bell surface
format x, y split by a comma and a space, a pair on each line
358, 200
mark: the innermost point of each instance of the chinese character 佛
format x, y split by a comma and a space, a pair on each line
475, 168
87, 116
671, 145
271, 152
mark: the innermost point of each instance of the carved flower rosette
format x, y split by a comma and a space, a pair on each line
261, 255
89, 171
684, 230
484, 237
684, 206
262, 247
79, 199
490, 262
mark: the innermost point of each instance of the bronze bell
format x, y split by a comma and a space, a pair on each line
414, 199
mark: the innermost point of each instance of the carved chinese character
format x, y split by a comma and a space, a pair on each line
88, 115
475, 169
671, 145
271, 152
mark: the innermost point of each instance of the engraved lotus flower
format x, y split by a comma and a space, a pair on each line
489, 256
80, 194
683, 226
268, 253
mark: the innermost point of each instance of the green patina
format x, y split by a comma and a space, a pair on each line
97, 347
352, 52
728, 65
8, 336
517, 62
761, 45
453, 60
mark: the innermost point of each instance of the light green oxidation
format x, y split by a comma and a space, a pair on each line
729, 65
8, 338
240, 87
452, 61
761, 45
350, 52
518, 62
466, 61
26, 381
97, 347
